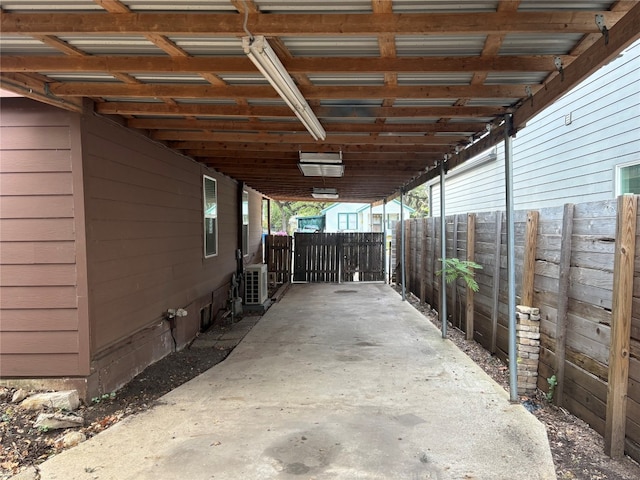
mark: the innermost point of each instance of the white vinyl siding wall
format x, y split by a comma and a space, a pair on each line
556, 163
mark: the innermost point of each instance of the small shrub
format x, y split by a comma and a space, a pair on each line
455, 268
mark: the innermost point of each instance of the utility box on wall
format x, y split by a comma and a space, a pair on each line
255, 284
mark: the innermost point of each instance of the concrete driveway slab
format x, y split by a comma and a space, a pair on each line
334, 382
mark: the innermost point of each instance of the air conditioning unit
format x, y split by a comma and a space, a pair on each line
255, 284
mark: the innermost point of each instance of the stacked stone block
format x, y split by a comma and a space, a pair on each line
528, 347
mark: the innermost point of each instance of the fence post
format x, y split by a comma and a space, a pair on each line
471, 257
455, 315
496, 283
529, 266
623, 267
563, 300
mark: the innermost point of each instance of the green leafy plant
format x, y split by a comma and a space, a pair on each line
103, 397
454, 268
553, 382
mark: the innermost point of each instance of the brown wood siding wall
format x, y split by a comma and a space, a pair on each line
145, 231
40, 327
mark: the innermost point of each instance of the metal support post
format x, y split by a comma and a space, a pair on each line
443, 251
511, 264
384, 239
402, 246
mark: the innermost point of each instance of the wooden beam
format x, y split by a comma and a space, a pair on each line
96, 89
309, 145
244, 111
529, 264
471, 255
180, 62
563, 301
192, 124
276, 25
302, 138
30, 87
623, 269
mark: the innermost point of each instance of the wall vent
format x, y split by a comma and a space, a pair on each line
255, 284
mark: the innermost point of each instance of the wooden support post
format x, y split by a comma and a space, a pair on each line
623, 267
471, 256
563, 300
433, 256
455, 316
496, 283
407, 257
529, 264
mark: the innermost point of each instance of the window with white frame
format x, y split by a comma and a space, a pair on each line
347, 221
392, 219
210, 195
245, 223
628, 178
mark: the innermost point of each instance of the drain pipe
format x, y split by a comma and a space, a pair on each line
443, 250
511, 265
402, 245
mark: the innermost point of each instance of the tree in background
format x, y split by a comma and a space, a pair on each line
418, 199
282, 212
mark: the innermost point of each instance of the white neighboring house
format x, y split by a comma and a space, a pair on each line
362, 217
585, 147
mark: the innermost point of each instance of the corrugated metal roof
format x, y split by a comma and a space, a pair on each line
539, 44
444, 6
332, 46
181, 5
344, 79
546, 5
224, 46
314, 6
81, 77
493, 102
113, 45
439, 45
424, 102
169, 78
244, 79
434, 78
17, 6
18, 44
517, 78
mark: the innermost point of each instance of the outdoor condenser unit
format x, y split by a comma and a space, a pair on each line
255, 284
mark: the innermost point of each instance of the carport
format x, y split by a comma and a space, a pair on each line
393, 93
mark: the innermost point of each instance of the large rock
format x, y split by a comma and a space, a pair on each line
70, 439
19, 396
65, 400
54, 421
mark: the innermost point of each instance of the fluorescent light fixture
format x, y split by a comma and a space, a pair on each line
262, 55
325, 193
321, 164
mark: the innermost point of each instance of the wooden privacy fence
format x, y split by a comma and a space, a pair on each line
278, 250
338, 257
579, 265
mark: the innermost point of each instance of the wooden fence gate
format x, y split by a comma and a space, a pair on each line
338, 257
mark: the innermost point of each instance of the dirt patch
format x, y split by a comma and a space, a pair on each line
23, 445
577, 449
